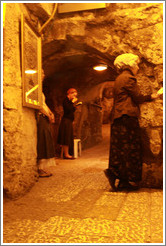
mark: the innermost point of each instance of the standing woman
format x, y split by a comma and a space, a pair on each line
65, 134
45, 145
125, 159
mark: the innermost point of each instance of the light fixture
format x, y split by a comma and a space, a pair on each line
100, 67
30, 71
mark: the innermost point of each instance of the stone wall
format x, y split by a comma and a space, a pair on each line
19, 123
19, 135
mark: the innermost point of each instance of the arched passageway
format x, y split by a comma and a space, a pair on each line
94, 90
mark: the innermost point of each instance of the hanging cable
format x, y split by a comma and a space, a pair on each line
52, 15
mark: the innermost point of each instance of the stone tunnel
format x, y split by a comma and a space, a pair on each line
72, 43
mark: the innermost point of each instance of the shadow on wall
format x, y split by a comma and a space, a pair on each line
95, 111
151, 152
152, 173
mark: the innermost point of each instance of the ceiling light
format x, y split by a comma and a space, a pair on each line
100, 67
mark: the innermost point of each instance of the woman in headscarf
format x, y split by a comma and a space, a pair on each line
65, 135
125, 158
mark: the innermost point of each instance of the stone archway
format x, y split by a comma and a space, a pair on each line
77, 71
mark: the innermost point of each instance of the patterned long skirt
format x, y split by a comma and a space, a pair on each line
125, 160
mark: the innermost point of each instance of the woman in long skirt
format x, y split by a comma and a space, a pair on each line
125, 159
45, 145
65, 134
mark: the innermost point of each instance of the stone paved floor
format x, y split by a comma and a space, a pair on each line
75, 205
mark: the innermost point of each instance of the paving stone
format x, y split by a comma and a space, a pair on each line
19, 230
156, 232
93, 226
157, 222
132, 211
140, 196
157, 201
110, 199
135, 232
156, 192
76, 205
157, 213
104, 212
88, 239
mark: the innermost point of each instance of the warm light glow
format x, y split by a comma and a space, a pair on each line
101, 67
31, 90
4, 13
30, 71
70, 7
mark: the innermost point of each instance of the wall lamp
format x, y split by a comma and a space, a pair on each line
100, 67
30, 71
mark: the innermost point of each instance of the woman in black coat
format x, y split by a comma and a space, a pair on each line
65, 134
125, 158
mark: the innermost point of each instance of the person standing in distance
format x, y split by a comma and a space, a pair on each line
65, 134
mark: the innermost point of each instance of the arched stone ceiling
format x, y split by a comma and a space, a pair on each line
66, 55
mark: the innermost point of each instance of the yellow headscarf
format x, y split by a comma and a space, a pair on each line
127, 59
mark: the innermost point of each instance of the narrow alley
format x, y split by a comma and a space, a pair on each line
75, 205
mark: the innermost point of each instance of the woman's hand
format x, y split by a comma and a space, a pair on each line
160, 92
157, 94
52, 118
75, 99
79, 103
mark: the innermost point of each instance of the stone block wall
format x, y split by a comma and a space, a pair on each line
19, 123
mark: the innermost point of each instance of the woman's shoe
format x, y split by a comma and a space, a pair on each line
111, 178
127, 186
44, 174
69, 158
133, 187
